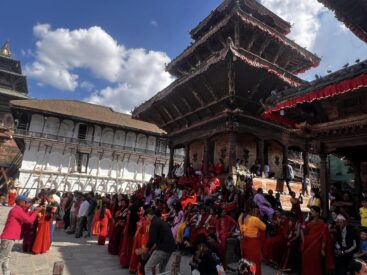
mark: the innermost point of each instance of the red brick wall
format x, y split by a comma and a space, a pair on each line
275, 151
196, 154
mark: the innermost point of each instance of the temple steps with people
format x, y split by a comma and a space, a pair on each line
279, 186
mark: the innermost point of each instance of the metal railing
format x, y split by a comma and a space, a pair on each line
26, 133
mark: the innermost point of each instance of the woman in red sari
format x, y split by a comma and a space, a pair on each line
42, 241
128, 237
12, 194
100, 223
291, 257
275, 244
224, 227
317, 254
251, 229
296, 206
118, 227
138, 240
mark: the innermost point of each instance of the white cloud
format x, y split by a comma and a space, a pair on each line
302, 15
154, 23
143, 75
134, 74
317, 29
86, 85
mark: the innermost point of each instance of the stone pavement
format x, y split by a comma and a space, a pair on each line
81, 257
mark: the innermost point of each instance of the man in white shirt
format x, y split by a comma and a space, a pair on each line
82, 217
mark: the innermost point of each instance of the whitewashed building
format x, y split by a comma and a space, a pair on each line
72, 145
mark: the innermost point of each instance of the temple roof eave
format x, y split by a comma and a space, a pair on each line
337, 76
357, 24
344, 81
280, 22
143, 111
306, 55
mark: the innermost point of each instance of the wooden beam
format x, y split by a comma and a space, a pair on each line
247, 100
288, 61
166, 111
341, 123
319, 111
195, 111
264, 45
176, 109
197, 97
210, 47
231, 76
237, 34
180, 113
187, 104
252, 41
209, 88
222, 40
280, 51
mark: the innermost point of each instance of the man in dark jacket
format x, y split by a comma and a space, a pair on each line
345, 246
160, 243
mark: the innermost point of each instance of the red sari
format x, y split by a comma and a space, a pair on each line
42, 241
223, 229
12, 194
316, 233
139, 241
275, 245
187, 200
126, 245
198, 228
116, 232
100, 226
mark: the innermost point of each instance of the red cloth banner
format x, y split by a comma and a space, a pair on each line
342, 87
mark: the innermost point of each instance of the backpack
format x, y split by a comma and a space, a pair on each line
59, 215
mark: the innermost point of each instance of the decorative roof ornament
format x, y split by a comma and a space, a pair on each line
5, 51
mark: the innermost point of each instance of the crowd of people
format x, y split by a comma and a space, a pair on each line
197, 215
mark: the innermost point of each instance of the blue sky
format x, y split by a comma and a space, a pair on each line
114, 52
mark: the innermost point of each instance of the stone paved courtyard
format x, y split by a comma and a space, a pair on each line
81, 257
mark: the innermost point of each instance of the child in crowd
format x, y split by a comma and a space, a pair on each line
362, 253
363, 212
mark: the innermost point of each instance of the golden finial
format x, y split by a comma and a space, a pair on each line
5, 51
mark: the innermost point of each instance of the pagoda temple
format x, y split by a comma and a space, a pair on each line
239, 57
13, 85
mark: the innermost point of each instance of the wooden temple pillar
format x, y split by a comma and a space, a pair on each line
170, 163
260, 155
285, 160
324, 184
306, 165
232, 157
306, 169
357, 178
206, 156
187, 157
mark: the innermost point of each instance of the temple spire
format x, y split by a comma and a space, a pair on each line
5, 51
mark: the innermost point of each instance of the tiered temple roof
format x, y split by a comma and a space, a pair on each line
352, 13
11, 78
234, 19
251, 7
235, 63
